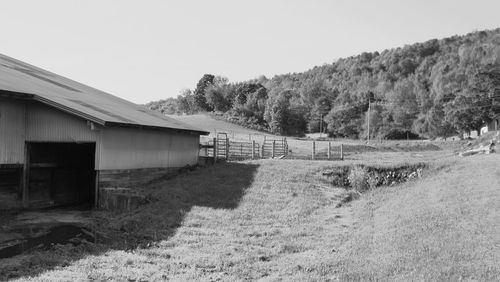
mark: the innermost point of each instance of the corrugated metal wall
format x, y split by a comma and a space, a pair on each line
123, 148
50, 125
22, 121
116, 148
12, 129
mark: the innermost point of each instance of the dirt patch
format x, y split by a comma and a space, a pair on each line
44, 238
486, 144
40, 230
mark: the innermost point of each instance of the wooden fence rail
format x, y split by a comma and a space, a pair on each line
331, 152
222, 147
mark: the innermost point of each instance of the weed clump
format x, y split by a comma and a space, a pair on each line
359, 178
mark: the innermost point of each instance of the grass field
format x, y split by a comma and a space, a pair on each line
301, 147
276, 220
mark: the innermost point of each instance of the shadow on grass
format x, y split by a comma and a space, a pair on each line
221, 186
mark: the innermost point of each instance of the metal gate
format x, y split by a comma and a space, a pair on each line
222, 146
273, 148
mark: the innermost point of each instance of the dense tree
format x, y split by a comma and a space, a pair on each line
217, 99
285, 117
168, 106
435, 88
200, 99
343, 121
321, 108
185, 102
403, 104
478, 103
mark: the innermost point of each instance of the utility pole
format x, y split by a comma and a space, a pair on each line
369, 107
320, 125
370, 94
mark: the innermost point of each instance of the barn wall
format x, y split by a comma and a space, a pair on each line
12, 131
46, 124
494, 124
123, 148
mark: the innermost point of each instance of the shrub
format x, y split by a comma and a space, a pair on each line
396, 134
373, 180
358, 178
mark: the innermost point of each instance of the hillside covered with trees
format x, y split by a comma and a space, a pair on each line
435, 88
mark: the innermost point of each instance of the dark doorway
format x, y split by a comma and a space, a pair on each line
10, 186
60, 174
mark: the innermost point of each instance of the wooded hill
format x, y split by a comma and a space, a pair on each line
435, 88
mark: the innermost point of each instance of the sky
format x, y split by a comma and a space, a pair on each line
149, 50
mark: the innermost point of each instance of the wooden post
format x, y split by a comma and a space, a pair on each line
262, 151
241, 150
26, 175
341, 152
329, 150
369, 106
96, 191
253, 149
215, 150
227, 148
274, 148
313, 150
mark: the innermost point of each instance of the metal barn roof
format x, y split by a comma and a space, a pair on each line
21, 80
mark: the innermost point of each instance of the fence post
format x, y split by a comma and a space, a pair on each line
227, 148
274, 148
215, 150
341, 151
253, 149
313, 150
241, 150
329, 150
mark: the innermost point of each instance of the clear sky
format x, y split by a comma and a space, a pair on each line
150, 50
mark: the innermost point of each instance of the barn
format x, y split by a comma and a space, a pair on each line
62, 141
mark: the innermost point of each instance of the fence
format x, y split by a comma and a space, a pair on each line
328, 153
221, 147
273, 148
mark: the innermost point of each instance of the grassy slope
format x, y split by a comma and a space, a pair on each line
446, 227
302, 148
275, 220
208, 123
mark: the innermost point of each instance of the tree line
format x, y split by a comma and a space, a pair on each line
435, 88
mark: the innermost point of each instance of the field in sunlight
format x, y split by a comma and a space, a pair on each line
302, 147
278, 220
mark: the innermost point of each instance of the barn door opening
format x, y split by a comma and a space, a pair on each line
60, 174
10, 186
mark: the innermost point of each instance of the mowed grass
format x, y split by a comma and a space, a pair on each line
274, 220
